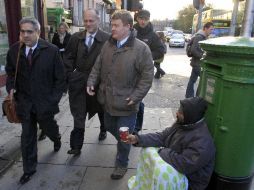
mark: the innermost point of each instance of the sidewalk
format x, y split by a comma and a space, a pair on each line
89, 171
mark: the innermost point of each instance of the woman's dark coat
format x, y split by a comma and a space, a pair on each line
56, 40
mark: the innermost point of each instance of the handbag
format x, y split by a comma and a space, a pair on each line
9, 103
9, 109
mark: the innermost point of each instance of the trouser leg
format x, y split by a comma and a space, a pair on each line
159, 71
77, 138
140, 117
101, 118
113, 123
29, 144
77, 99
195, 73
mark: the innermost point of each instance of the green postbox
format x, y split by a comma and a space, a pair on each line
227, 83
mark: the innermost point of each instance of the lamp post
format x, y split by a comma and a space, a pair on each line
199, 4
248, 19
234, 18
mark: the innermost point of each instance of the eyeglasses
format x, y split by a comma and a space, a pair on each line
27, 31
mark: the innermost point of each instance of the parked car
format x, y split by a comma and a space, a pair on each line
177, 40
177, 32
174, 32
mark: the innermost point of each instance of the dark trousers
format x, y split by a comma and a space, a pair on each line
140, 117
101, 118
159, 70
195, 73
78, 110
29, 139
77, 99
112, 124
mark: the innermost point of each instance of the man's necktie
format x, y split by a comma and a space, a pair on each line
29, 56
89, 43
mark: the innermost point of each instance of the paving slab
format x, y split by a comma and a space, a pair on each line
47, 177
101, 156
99, 179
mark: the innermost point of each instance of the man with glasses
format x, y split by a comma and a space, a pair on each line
79, 57
38, 90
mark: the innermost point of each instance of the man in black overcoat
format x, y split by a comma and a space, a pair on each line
38, 90
79, 58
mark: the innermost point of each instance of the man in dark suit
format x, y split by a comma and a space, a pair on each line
38, 90
79, 58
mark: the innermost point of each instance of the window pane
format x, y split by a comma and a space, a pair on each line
27, 8
4, 45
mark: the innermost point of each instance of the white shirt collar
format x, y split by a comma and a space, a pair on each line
123, 41
89, 34
33, 48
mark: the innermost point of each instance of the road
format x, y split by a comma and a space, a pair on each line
176, 62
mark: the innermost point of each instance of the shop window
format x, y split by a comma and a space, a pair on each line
4, 45
27, 8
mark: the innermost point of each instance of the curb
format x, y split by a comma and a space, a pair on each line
9, 154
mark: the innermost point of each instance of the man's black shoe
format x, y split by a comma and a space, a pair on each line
75, 152
57, 144
157, 75
25, 178
42, 136
162, 74
102, 135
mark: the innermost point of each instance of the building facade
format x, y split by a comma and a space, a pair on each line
9, 25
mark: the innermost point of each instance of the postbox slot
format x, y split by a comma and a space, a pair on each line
213, 67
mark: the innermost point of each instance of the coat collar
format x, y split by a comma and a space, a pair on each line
42, 44
128, 43
98, 36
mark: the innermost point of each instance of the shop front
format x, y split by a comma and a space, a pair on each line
9, 26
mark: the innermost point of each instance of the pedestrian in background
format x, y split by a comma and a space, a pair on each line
79, 58
124, 73
197, 54
146, 34
157, 63
61, 37
39, 87
181, 156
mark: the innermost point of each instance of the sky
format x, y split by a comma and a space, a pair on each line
161, 9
